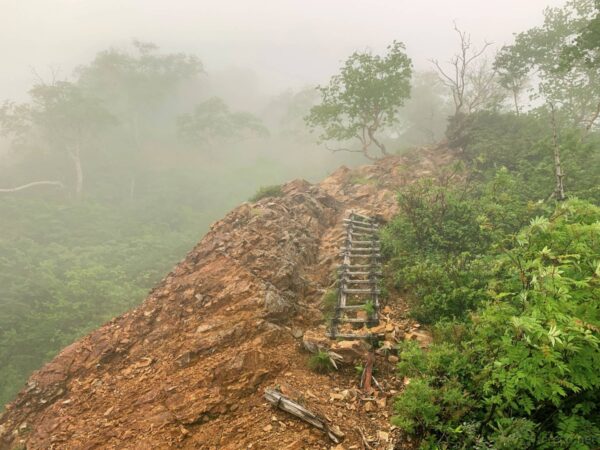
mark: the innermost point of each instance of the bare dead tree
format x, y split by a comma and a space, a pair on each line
462, 77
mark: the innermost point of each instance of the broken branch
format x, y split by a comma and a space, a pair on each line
277, 399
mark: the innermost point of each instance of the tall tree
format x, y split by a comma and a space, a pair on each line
563, 55
136, 85
363, 99
513, 75
212, 120
61, 118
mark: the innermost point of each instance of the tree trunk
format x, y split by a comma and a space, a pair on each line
516, 100
76, 157
377, 143
559, 190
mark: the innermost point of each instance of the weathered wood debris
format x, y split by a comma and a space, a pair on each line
277, 399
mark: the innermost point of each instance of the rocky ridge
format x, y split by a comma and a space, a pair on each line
187, 368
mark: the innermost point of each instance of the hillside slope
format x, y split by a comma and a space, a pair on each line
187, 368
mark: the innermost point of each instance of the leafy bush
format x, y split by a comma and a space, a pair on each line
267, 191
524, 370
442, 244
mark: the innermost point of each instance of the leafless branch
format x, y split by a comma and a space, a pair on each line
461, 63
32, 184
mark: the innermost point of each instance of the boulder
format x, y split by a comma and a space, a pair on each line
277, 306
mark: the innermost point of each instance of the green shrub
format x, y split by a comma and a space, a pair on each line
328, 303
523, 370
369, 308
320, 362
441, 246
267, 191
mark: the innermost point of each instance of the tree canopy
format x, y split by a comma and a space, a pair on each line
363, 99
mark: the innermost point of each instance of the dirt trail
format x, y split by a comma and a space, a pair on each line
187, 368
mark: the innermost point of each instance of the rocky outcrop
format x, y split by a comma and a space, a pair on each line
186, 369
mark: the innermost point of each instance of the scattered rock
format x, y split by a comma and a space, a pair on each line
350, 351
369, 407
423, 337
297, 332
314, 341
277, 306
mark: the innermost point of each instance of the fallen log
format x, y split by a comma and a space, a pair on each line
277, 399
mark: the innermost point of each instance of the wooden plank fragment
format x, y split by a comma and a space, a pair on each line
277, 399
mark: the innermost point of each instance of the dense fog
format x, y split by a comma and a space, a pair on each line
128, 127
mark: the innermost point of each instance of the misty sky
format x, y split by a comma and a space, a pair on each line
286, 42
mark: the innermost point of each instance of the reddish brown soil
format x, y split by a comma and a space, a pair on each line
188, 367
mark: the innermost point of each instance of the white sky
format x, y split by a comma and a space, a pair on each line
287, 42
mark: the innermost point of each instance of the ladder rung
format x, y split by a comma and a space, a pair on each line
360, 216
370, 238
348, 281
376, 241
362, 223
348, 320
361, 291
359, 249
350, 307
371, 231
354, 246
359, 266
377, 274
377, 336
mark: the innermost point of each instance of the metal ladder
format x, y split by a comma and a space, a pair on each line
358, 277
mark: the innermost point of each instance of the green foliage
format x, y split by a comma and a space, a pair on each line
586, 47
525, 368
441, 244
67, 268
563, 57
359, 369
328, 303
363, 98
320, 362
133, 82
522, 144
213, 120
369, 308
62, 119
267, 191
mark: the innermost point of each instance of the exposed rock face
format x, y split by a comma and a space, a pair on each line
186, 369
